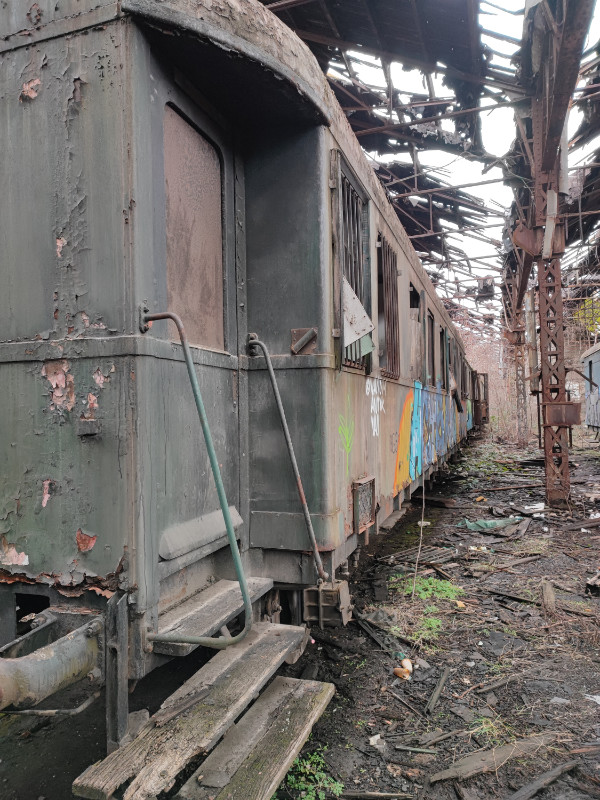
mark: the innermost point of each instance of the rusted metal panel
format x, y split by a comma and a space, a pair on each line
562, 414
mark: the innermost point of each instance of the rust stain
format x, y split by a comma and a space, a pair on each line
84, 541
301, 492
34, 15
102, 592
47, 487
10, 556
60, 243
30, 89
62, 382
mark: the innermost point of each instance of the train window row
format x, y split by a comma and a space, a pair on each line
435, 358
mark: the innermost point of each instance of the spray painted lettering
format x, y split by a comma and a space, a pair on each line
376, 389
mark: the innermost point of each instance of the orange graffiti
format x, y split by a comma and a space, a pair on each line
402, 474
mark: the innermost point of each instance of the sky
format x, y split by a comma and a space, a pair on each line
498, 129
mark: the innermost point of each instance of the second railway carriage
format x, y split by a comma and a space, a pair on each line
189, 157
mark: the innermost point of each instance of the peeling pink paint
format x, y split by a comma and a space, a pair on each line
92, 402
46, 492
60, 243
99, 378
92, 407
62, 382
10, 556
29, 90
84, 541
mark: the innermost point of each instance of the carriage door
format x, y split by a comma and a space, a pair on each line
201, 286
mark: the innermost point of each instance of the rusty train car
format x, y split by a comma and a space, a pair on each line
189, 157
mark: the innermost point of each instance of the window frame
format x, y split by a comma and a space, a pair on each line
387, 305
359, 224
430, 346
443, 338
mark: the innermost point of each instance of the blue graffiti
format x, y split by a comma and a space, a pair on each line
436, 426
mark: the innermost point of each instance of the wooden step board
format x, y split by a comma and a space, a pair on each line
255, 755
206, 612
193, 719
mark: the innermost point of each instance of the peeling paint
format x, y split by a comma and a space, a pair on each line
85, 542
60, 243
48, 490
92, 407
10, 556
62, 382
100, 378
34, 15
30, 89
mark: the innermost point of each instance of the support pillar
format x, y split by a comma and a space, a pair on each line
553, 375
521, 384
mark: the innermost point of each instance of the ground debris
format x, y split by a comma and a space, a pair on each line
492, 760
529, 791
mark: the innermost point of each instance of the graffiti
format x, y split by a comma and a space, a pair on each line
402, 474
346, 431
430, 425
376, 389
394, 439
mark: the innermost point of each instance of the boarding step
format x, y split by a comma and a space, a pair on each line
206, 612
193, 719
254, 756
391, 521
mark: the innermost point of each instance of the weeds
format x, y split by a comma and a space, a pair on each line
309, 778
495, 730
426, 588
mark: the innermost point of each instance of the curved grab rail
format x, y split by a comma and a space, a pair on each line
253, 342
205, 641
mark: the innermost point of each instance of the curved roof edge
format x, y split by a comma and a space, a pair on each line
246, 27
249, 28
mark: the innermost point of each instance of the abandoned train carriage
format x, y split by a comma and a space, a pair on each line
190, 157
591, 367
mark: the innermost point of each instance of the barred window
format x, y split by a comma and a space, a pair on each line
387, 305
354, 238
443, 358
430, 349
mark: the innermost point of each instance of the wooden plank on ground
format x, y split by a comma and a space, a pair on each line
234, 677
492, 760
529, 791
255, 755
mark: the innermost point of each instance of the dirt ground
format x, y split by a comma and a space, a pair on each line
502, 614
522, 665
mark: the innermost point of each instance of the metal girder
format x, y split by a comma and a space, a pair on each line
563, 78
521, 385
552, 348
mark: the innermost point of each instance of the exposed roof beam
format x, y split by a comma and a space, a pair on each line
577, 22
417, 63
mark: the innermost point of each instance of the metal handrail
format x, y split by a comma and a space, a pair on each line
254, 341
205, 641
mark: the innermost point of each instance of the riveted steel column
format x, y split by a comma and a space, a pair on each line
552, 350
521, 386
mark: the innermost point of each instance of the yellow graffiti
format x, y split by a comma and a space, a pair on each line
402, 474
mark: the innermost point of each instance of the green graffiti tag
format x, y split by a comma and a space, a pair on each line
346, 431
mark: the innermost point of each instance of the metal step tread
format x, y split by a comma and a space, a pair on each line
206, 612
193, 719
255, 755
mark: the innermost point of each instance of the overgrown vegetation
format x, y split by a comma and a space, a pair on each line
308, 778
426, 588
